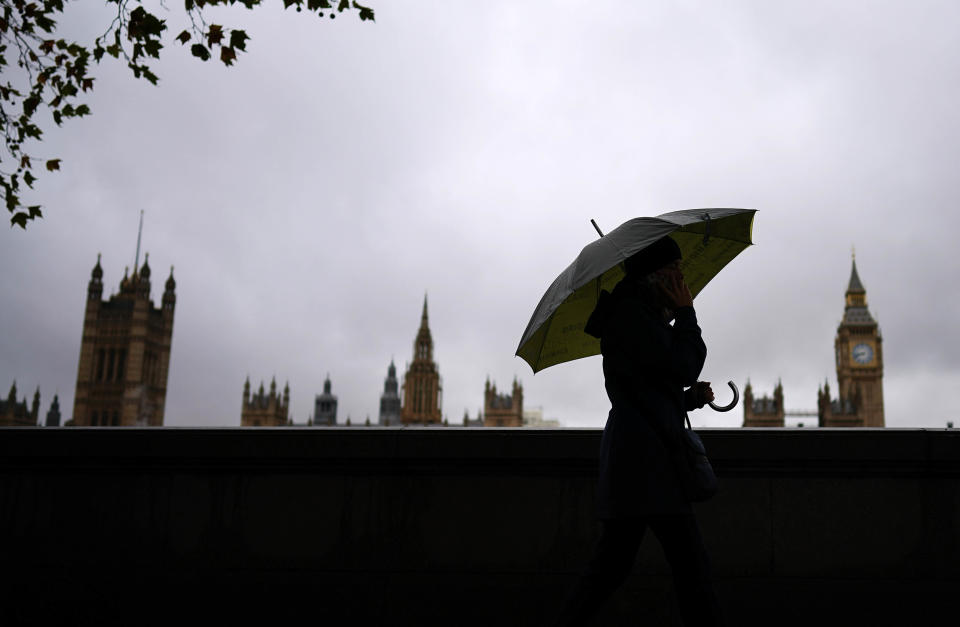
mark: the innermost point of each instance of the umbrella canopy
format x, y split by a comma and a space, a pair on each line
708, 238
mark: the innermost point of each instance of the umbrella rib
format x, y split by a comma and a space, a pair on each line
544, 342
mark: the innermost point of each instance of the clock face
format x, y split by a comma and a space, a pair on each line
863, 353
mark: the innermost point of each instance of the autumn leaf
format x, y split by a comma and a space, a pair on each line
53, 164
214, 35
184, 37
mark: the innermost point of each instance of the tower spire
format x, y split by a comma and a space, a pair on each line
136, 260
423, 318
856, 294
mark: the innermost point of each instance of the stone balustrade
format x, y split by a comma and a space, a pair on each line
458, 526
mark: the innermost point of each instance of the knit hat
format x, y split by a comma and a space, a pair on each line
653, 257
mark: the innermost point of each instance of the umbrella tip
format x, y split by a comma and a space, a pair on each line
594, 223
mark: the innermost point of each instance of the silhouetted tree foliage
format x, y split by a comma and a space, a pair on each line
42, 72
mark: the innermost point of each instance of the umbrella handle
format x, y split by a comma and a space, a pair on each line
733, 403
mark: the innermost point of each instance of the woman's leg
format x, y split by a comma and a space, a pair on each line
683, 547
611, 565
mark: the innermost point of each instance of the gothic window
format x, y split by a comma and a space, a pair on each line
100, 360
121, 362
110, 363
116, 419
94, 419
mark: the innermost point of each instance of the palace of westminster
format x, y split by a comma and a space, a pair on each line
125, 356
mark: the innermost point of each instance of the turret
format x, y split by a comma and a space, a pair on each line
53, 414
35, 410
169, 296
142, 278
390, 383
125, 281
95, 286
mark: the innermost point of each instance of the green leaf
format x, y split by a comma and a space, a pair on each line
20, 219
238, 39
366, 13
29, 178
30, 104
152, 48
34, 211
200, 51
13, 201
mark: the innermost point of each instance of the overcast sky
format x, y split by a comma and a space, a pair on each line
311, 195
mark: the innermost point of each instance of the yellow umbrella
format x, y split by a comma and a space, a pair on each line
708, 238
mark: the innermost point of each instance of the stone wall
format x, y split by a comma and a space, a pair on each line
450, 526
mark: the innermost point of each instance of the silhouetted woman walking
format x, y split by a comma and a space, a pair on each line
647, 363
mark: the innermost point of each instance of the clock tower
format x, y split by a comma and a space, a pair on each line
859, 358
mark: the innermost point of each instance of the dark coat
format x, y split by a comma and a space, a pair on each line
647, 363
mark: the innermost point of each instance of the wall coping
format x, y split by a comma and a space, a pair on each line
844, 451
